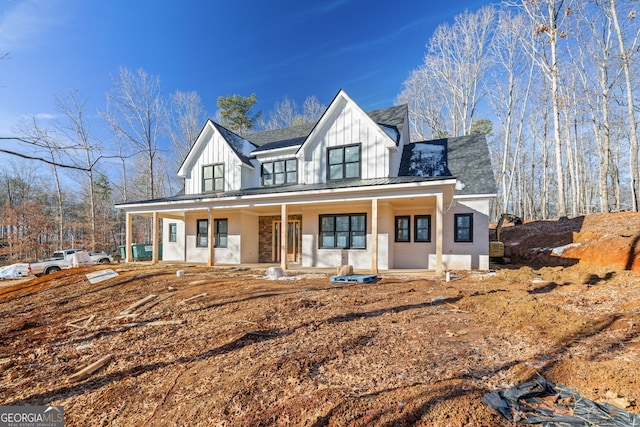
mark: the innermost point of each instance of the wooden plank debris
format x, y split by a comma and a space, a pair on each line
137, 304
126, 316
156, 323
85, 372
154, 303
184, 301
246, 321
86, 319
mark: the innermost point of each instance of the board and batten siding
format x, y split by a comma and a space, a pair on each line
350, 127
215, 151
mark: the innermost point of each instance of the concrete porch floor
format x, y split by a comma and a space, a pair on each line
294, 269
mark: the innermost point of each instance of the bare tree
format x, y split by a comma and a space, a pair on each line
136, 113
44, 140
512, 79
285, 113
423, 97
444, 92
626, 53
186, 120
460, 61
547, 20
312, 109
75, 128
593, 66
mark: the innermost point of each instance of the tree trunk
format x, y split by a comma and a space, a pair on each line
633, 131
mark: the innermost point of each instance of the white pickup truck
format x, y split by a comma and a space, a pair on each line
63, 259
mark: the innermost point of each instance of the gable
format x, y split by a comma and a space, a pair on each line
211, 133
390, 120
349, 122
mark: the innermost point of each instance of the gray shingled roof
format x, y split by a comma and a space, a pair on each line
465, 157
240, 145
392, 118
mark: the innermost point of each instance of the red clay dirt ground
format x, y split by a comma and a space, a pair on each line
405, 351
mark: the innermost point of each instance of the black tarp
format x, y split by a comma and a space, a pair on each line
543, 403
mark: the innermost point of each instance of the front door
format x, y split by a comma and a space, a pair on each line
293, 241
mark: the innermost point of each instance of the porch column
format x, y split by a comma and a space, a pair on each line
127, 239
439, 228
284, 225
210, 238
374, 236
154, 243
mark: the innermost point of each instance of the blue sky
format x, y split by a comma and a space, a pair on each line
272, 48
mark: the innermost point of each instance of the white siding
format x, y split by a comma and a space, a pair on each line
466, 255
350, 126
173, 251
230, 254
413, 254
215, 150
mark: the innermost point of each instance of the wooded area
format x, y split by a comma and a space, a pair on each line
553, 83
557, 81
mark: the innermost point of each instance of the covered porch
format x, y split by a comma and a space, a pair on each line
286, 232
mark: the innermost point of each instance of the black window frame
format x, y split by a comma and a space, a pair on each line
215, 180
200, 234
416, 229
336, 231
344, 163
457, 229
405, 230
217, 234
286, 171
173, 232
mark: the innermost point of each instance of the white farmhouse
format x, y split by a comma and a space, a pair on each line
349, 189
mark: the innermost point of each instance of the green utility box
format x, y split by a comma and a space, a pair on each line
141, 252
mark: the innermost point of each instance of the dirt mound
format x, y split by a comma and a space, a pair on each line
601, 240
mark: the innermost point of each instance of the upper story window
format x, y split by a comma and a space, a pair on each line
343, 162
463, 227
213, 177
280, 172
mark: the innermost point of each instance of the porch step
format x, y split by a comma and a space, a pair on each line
361, 278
